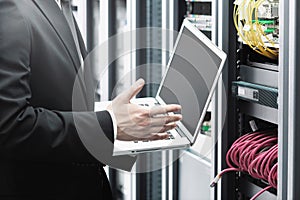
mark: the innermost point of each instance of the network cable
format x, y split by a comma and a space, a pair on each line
256, 154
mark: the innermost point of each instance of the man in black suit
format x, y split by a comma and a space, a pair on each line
41, 151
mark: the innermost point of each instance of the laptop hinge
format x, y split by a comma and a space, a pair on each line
180, 132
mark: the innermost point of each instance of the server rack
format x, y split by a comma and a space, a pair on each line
239, 67
277, 74
198, 161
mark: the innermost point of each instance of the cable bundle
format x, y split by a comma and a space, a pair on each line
256, 154
250, 30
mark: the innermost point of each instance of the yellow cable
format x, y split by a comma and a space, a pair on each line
274, 54
267, 51
252, 37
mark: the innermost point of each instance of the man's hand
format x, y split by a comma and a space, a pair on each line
136, 122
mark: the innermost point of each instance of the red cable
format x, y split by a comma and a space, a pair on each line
260, 192
254, 153
273, 176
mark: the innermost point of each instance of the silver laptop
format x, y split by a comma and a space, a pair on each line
190, 80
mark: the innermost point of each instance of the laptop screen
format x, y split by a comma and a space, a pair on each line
190, 78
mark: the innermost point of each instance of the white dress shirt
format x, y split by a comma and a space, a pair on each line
58, 3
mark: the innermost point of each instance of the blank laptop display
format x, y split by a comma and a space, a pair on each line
190, 78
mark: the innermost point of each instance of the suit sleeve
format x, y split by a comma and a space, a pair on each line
37, 134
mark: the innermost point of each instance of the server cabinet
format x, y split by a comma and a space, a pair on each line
245, 65
199, 160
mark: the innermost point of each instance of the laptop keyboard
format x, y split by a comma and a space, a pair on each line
171, 137
147, 105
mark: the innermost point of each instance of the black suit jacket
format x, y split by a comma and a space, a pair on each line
45, 129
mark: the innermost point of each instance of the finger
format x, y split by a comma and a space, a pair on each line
158, 110
158, 136
152, 136
127, 95
163, 128
158, 121
167, 127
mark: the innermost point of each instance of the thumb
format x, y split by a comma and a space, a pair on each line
133, 90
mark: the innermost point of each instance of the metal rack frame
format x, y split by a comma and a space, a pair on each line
288, 85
